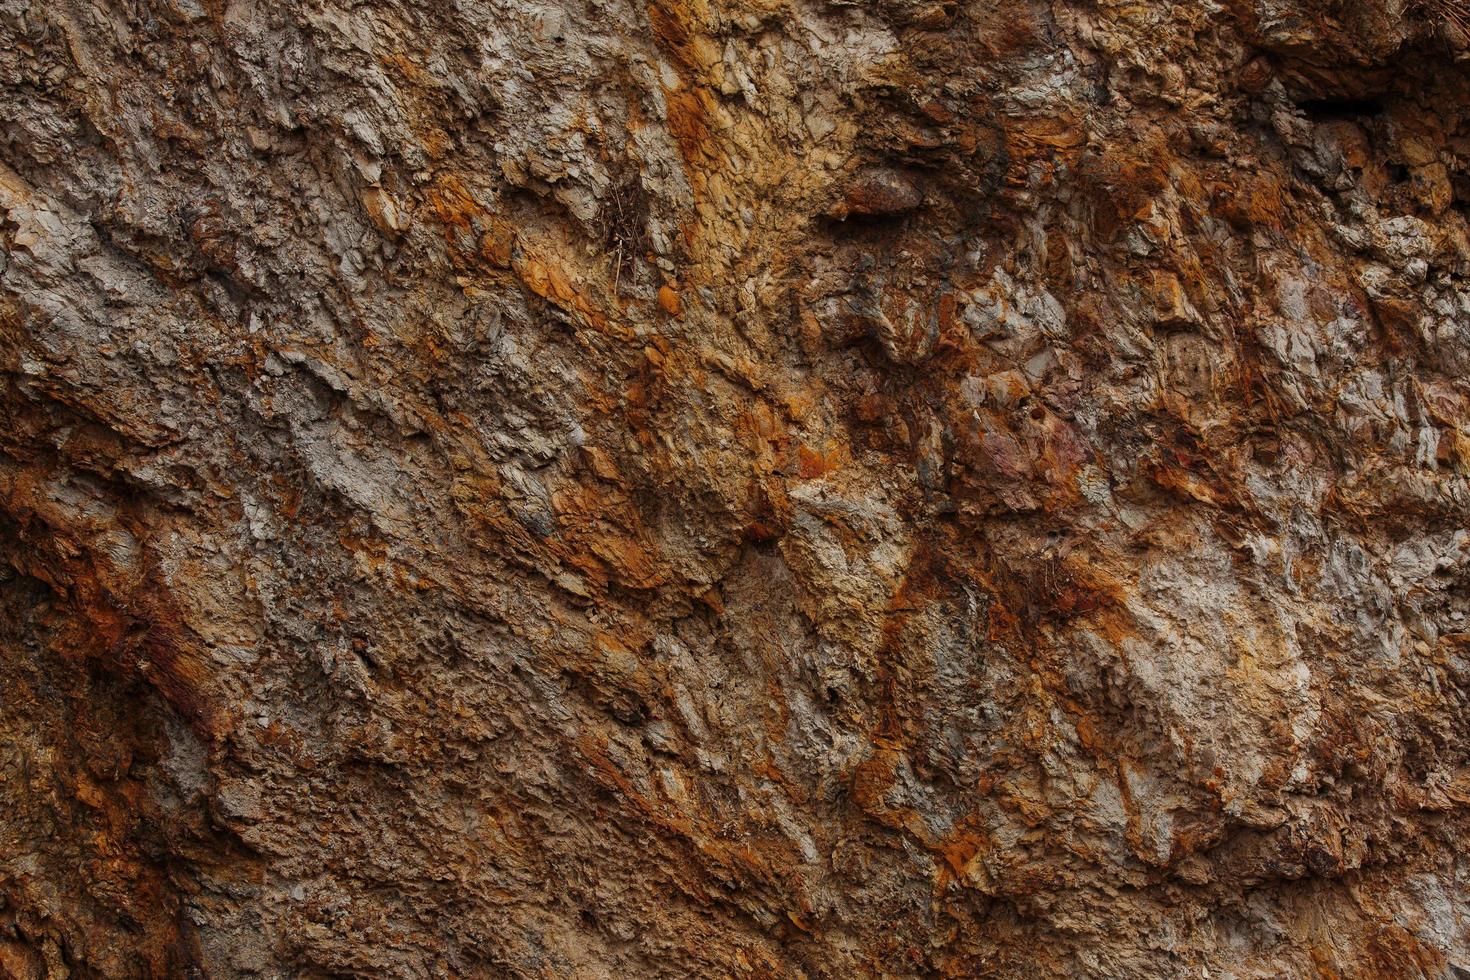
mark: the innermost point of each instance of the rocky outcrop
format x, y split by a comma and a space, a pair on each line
738, 488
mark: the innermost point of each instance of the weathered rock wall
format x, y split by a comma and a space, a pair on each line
591, 488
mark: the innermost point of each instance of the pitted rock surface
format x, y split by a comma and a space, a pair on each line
719, 488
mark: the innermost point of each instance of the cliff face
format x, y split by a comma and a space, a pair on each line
797, 488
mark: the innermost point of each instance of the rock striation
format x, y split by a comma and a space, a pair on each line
720, 488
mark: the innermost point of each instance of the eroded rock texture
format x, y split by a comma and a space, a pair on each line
716, 488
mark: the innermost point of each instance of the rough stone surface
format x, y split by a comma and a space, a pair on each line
717, 488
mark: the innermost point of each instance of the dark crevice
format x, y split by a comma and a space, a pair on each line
1328, 110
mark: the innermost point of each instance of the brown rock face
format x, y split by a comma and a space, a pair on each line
773, 488
878, 192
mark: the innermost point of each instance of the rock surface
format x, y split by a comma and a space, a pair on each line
717, 488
